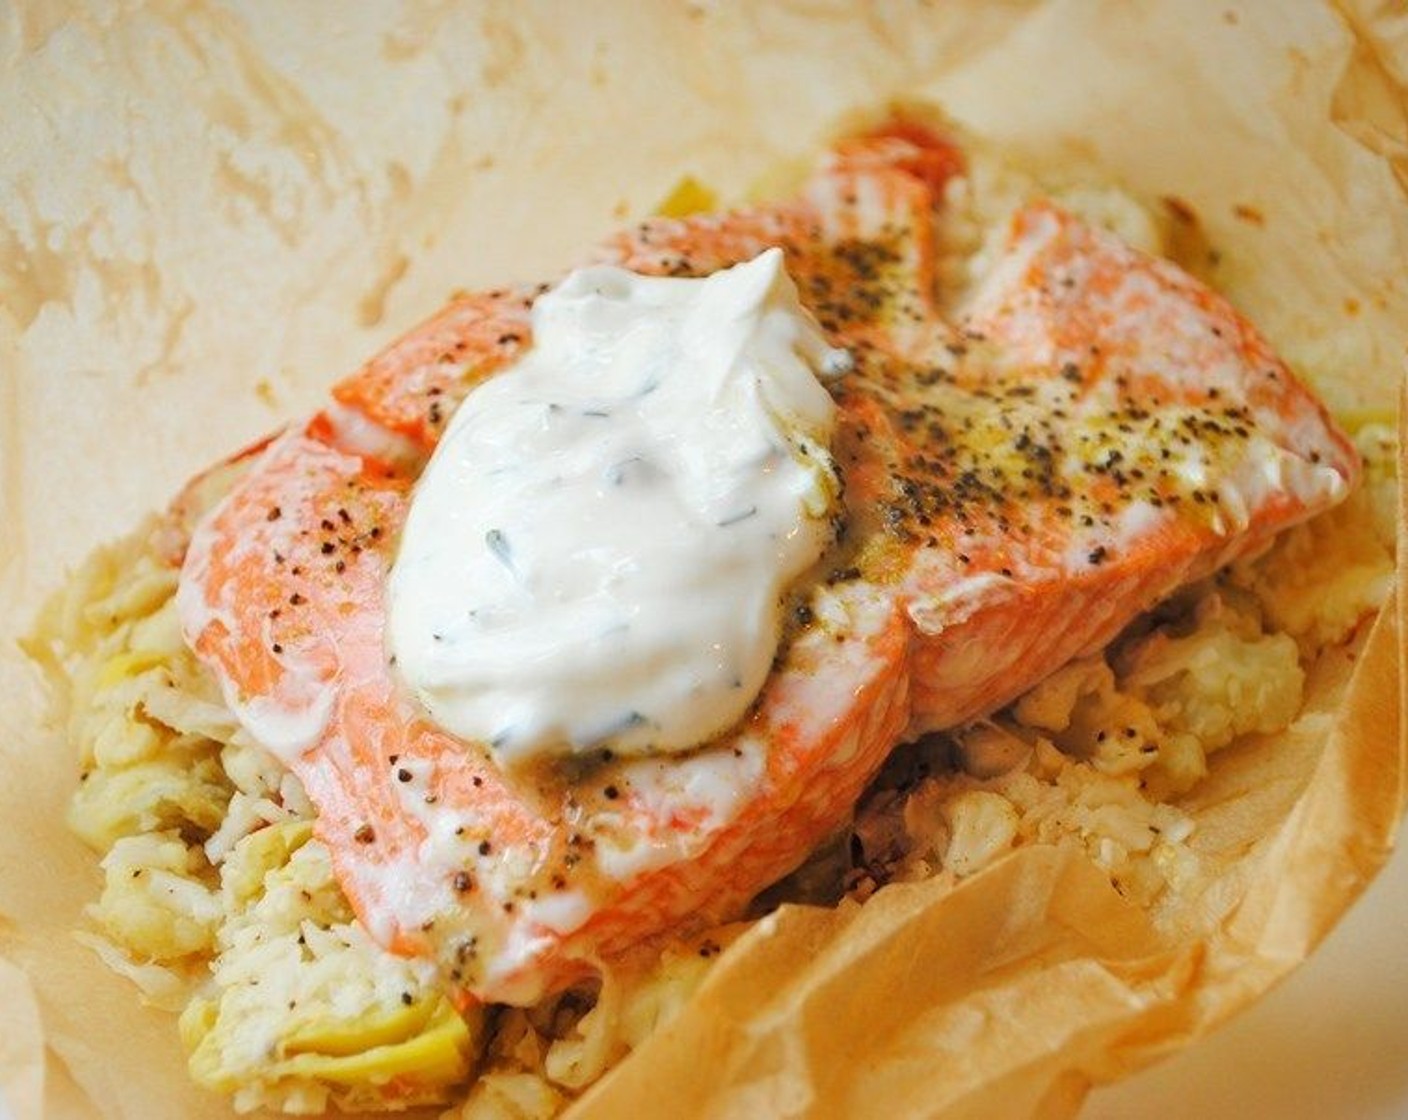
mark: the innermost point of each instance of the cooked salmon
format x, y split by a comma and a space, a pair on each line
1092, 429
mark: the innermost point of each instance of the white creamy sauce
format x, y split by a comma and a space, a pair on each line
290, 724
365, 437
595, 555
710, 786
956, 600
1252, 473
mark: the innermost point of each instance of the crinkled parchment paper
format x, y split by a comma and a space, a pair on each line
208, 211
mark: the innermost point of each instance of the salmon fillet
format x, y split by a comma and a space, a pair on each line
1094, 429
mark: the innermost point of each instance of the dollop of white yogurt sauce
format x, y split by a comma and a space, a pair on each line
596, 553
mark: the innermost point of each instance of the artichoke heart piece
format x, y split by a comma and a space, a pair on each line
415, 1053
258, 854
688, 196
128, 664
170, 792
439, 1053
303, 1008
376, 1027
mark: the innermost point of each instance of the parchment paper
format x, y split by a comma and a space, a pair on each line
208, 211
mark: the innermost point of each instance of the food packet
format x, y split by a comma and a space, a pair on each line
210, 213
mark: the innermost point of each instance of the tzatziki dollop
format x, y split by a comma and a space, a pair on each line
596, 554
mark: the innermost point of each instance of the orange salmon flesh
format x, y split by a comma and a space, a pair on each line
1093, 429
